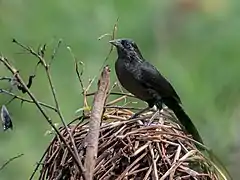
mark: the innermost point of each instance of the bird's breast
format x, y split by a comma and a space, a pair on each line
127, 77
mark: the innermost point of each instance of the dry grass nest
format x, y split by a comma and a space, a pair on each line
152, 146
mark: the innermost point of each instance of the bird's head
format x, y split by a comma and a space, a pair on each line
126, 48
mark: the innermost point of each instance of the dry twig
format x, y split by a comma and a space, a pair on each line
18, 78
10, 160
94, 124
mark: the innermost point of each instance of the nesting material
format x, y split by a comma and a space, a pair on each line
149, 147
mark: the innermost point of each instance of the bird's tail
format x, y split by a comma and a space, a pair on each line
184, 119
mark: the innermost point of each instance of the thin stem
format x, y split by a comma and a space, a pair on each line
27, 100
46, 66
114, 93
20, 80
60, 113
10, 160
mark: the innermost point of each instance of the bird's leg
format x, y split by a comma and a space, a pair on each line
156, 99
139, 112
159, 105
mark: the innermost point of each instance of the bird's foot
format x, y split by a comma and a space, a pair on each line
159, 105
139, 113
134, 116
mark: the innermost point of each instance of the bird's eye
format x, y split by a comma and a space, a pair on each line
126, 44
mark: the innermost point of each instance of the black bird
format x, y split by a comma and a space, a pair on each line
143, 80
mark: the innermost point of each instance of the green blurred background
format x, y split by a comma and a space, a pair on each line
194, 43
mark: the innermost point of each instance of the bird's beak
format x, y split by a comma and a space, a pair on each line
115, 42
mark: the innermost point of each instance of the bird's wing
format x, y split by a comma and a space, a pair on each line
150, 77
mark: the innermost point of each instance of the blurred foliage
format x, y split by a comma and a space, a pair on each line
194, 43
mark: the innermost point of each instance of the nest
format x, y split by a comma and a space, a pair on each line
149, 147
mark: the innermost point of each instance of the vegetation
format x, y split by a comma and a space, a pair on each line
195, 44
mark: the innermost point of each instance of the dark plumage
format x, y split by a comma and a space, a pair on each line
6, 118
143, 80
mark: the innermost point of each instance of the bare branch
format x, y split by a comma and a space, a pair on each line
6, 78
10, 160
79, 74
55, 51
113, 93
26, 100
20, 80
114, 32
94, 124
38, 164
46, 66
31, 51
